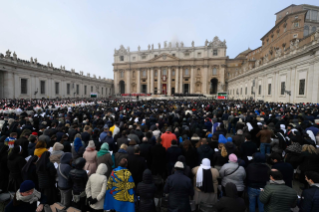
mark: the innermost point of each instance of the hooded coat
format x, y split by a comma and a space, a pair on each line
63, 171
204, 151
146, 190
4, 176
78, 176
91, 160
15, 164
57, 152
106, 159
230, 202
96, 187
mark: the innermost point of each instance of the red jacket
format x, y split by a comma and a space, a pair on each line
167, 139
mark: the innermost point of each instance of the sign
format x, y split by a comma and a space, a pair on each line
93, 95
221, 95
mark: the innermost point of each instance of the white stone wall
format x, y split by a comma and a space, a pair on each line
290, 68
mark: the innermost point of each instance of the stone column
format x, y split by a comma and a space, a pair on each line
192, 80
176, 79
116, 83
169, 81
159, 81
205, 79
152, 81
8, 85
315, 82
128, 81
292, 83
222, 77
138, 81
309, 84
181, 80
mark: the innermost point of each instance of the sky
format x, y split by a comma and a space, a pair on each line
82, 34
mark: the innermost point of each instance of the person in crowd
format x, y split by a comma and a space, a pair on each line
231, 202
204, 151
64, 184
47, 174
136, 165
26, 199
104, 133
40, 148
172, 155
104, 156
4, 176
293, 151
233, 172
10, 141
78, 148
57, 152
96, 187
276, 196
265, 135
179, 187
130, 148
286, 169
189, 153
120, 194
239, 138
146, 191
23, 140
110, 140
309, 159
158, 153
32, 143
145, 148
122, 153
90, 155
29, 171
310, 197
15, 164
123, 139
257, 176
167, 138
78, 179
206, 182
220, 157
248, 148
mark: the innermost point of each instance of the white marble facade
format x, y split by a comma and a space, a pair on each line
56, 82
292, 77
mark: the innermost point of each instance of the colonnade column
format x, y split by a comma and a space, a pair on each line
315, 83
159, 81
152, 80
310, 84
128, 80
192, 80
204, 79
176, 79
169, 81
181, 80
138, 90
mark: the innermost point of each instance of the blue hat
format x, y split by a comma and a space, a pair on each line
210, 135
27, 186
229, 139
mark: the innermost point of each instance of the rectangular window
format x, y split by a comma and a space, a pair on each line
77, 89
164, 72
155, 73
42, 87
144, 73
314, 15
143, 57
214, 71
245, 90
215, 52
106, 91
102, 90
259, 90
296, 24
186, 54
282, 88
84, 89
68, 89
133, 58
56, 88
186, 72
241, 91
173, 73
302, 86
24, 86
173, 55
269, 89
91, 88
199, 54
121, 58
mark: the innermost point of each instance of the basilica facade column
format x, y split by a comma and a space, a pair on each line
176, 79
169, 81
152, 81
205, 79
181, 80
159, 81
192, 80
128, 81
138, 89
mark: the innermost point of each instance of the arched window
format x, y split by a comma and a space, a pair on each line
306, 31
313, 29
214, 71
122, 74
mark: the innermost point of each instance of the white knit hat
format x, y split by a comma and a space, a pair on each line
91, 144
179, 165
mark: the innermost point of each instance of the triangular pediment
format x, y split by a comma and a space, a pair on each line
164, 57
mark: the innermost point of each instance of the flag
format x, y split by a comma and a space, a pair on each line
119, 191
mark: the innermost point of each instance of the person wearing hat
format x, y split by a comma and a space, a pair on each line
90, 155
26, 198
179, 187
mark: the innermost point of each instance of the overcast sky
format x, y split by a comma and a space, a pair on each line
82, 34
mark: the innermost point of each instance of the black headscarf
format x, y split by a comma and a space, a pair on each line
31, 161
42, 164
14, 153
147, 176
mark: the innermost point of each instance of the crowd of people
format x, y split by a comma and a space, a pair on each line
174, 155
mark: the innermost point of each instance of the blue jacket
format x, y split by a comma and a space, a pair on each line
310, 200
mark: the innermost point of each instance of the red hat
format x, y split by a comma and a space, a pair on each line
34, 133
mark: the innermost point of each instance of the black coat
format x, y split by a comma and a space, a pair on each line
310, 199
78, 177
31, 175
172, 155
47, 177
4, 176
287, 170
158, 154
231, 202
136, 165
146, 190
180, 188
204, 151
309, 162
15, 165
257, 175
190, 157
145, 148
24, 143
